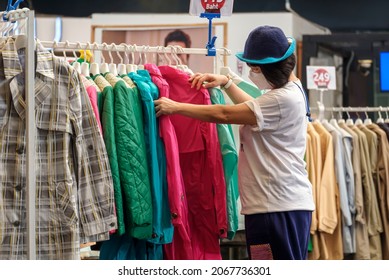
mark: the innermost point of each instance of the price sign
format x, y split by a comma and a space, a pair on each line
223, 7
212, 6
321, 77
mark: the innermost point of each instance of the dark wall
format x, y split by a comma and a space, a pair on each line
337, 15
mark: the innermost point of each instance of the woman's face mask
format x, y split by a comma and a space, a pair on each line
259, 80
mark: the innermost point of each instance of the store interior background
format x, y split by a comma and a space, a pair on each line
347, 34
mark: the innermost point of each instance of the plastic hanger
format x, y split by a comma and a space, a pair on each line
380, 119
387, 116
104, 68
132, 67
85, 65
367, 120
341, 120
349, 120
333, 120
94, 67
143, 58
122, 70
112, 66
11, 7
76, 65
172, 64
358, 121
183, 67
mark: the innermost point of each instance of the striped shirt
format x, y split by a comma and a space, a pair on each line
74, 192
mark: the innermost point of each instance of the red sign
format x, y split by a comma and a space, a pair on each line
212, 6
321, 78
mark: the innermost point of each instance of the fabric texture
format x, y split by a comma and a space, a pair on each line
230, 165
74, 190
180, 248
202, 169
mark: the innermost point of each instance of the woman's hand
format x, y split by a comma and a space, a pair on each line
165, 106
207, 80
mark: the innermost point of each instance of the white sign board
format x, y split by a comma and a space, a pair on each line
321, 77
223, 7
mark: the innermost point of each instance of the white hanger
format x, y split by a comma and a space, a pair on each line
333, 120
122, 70
367, 120
321, 108
76, 65
94, 67
358, 121
183, 67
132, 67
143, 58
341, 120
387, 116
112, 66
349, 120
85, 64
104, 68
380, 119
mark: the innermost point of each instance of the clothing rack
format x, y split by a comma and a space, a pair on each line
137, 49
13, 17
29, 44
321, 109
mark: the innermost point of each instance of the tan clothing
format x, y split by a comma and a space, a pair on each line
382, 181
316, 161
361, 234
374, 224
330, 237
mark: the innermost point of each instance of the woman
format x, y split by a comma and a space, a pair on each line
275, 191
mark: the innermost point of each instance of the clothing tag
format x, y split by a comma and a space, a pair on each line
261, 252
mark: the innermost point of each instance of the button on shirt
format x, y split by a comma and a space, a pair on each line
74, 193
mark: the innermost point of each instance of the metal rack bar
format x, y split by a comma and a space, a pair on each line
135, 49
353, 109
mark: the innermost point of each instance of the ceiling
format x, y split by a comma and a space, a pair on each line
337, 15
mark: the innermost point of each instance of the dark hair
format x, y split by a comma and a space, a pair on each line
277, 74
179, 36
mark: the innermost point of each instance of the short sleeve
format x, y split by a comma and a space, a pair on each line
267, 111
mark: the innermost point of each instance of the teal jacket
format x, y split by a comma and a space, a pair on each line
230, 165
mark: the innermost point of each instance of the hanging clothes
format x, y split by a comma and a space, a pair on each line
92, 93
382, 177
330, 240
74, 190
202, 169
180, 248
340, 168
107, 114
374, 224
162, 227
362, 251
230, 165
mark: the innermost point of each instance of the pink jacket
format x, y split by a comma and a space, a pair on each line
202, 168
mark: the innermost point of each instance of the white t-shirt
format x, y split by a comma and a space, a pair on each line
272, 173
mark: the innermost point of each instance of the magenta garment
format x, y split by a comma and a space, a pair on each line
180, 248
201, 167
92, 93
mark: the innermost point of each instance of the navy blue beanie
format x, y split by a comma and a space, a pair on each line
267, 44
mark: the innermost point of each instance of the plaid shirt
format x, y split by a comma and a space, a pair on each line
74, 191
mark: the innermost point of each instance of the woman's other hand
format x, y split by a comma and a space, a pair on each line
207, 80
